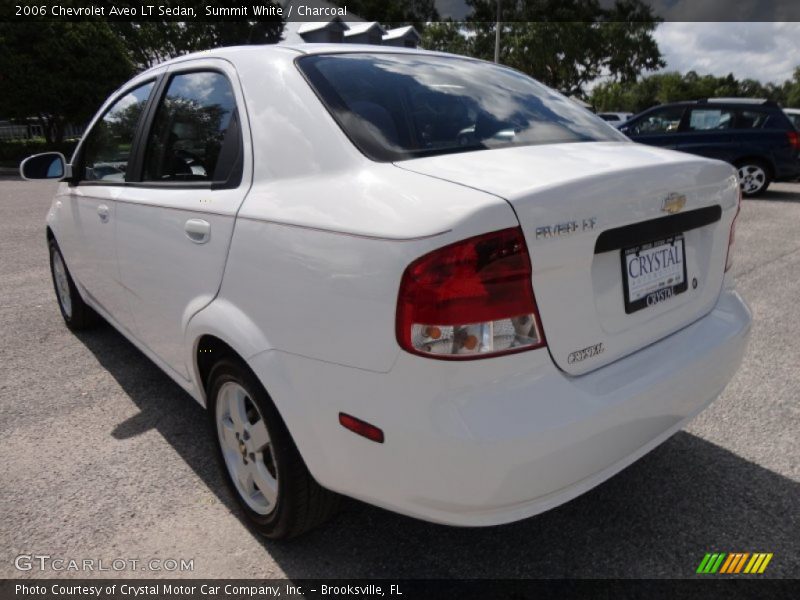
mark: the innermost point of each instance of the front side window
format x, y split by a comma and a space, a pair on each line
707, 119
396, 107
662, 120
190, 128
106, 150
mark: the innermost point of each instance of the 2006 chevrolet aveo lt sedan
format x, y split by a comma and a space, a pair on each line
424, 281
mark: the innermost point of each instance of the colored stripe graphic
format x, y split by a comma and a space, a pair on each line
741, 562
764, 564
759, 563
734, 563
711, 562
726, 565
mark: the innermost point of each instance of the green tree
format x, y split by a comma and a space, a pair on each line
564, 43
446, 36
673, 87
58, 71
151, 42
792, 90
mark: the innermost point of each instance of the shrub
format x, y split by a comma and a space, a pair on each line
12, 152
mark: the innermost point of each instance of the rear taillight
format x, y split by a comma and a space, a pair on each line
471, 299
794, 139
732, 236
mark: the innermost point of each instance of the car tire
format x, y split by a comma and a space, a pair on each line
754, 177
76, 313
255, 450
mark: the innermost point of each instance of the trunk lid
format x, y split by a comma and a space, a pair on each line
581, 206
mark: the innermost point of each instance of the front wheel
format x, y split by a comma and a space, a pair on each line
753, 178
262, 464
77, 314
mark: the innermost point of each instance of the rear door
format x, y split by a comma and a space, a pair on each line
708, 131
174, 223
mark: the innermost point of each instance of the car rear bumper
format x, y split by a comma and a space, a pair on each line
493, 441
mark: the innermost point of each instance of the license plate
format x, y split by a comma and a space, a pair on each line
653, 273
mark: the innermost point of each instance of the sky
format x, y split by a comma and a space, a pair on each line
766, 51
762, 51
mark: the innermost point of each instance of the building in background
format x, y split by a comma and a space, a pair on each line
354, 30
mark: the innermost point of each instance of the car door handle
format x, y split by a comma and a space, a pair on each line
102, 212
198, 230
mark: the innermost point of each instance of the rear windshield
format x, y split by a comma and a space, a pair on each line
395, 106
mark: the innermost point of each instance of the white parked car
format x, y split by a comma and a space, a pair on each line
424, 281
615, 118
794, 116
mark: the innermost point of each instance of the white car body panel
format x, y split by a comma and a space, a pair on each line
300, 278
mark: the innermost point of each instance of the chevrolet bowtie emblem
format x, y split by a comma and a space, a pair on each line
673, 203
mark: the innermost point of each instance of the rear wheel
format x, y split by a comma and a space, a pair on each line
77, 314
261, 462
754, 177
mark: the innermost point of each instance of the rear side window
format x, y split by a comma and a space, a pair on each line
106, 150
395, 107
754, 119
194, 136
705, 119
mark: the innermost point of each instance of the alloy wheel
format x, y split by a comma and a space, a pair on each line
752, 178
247, 448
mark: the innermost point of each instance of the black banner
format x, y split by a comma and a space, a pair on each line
266, 589
443, 10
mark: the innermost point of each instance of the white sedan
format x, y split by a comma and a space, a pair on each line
424, 281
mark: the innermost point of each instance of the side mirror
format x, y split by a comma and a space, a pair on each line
49, 165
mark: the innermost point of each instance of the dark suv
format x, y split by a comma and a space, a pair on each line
753, 135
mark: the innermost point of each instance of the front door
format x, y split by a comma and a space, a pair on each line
88, 242
658, 127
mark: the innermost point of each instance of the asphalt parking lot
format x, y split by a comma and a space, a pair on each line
103, 457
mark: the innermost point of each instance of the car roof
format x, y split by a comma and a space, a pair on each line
244, 53
727, 102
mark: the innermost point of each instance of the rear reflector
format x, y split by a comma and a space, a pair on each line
360, 427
